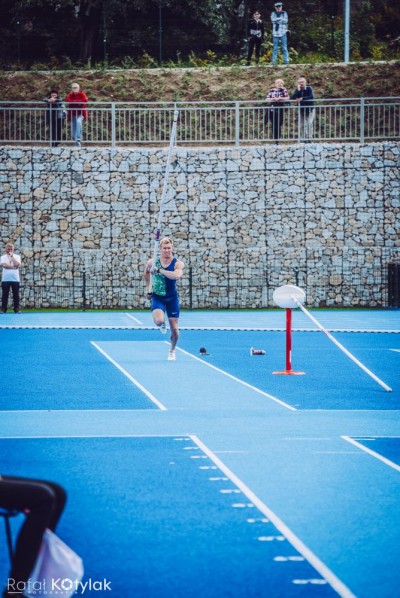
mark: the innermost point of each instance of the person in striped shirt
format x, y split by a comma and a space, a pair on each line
277, 98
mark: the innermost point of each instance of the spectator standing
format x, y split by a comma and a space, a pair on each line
256, 37
279, 20
277, 98
10, 263
304, 97
77, 112
55, 116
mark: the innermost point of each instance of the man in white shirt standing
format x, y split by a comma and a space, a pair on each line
10, 263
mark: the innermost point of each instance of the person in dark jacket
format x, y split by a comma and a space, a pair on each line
256, 37
303, 95
77, 112
55, 117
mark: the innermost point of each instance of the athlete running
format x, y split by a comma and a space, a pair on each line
164, 297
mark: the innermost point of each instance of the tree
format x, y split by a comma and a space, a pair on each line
89, 30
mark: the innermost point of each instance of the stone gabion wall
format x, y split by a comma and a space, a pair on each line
244, 220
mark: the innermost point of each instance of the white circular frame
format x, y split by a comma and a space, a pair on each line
288, 296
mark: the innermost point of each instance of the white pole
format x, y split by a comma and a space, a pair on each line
164, 194
346, 31
356, 361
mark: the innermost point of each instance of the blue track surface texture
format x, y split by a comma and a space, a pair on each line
211, 477
154, 522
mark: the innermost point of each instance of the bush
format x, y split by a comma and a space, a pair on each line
146, 61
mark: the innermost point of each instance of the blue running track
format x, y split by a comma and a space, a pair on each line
211, 476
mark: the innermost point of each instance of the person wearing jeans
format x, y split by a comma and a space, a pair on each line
279, 20
77, 112
76, 128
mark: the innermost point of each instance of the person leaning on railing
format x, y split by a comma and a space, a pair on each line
303, 95
55, 116
277, 98
77, 112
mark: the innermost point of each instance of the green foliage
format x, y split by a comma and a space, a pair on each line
227, 92
266, 56
377, 51
145, 61
314, 58
82, 33
363, 30
198, 61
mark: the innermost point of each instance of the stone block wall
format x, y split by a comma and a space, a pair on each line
244, 220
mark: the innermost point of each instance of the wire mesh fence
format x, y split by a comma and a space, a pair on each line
95, 283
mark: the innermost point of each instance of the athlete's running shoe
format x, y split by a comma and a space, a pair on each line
163, 328
171, 356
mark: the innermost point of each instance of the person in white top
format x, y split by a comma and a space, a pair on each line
10, 264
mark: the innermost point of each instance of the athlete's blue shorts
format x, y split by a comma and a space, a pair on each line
166, 304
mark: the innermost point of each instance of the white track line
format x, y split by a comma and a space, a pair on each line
134, 319
63, 437
211, 328
131, 378
258, 390
318, 565
372, 453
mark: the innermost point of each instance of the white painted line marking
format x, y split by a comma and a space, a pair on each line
306, 438
376, 436
62, 437
134, 319
319, 566
151, 327
131, 378
336, 453
372, 453
99, 411
284, 559
258, 390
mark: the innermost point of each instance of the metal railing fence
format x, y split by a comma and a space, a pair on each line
204, 123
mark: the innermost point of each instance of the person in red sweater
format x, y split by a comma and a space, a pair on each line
77, 112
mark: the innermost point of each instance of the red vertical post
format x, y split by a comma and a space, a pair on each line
289, 371
288, 340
